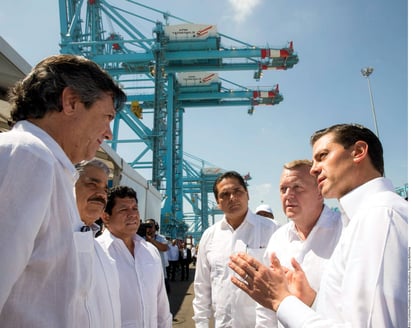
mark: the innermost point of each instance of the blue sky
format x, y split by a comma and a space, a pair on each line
334, 39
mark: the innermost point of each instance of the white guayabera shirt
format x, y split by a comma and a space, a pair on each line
215, 295
365, 282
39, 282
143, 297
312, 253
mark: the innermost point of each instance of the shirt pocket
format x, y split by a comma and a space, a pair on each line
84, 244
219, 284
257, 253
218, 265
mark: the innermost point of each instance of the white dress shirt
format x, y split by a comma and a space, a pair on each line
312, 253
365, 282
215, 295
39, 229
102, 298
143, 298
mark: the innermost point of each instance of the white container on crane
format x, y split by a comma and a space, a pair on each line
197, 78
190, 32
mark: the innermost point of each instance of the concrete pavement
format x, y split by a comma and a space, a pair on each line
180, 299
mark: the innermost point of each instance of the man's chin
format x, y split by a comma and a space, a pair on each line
95, 214
326, 192
89, 221
91, 152
291, 214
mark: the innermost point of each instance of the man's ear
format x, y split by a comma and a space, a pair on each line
360, 151
105, 218
69, 99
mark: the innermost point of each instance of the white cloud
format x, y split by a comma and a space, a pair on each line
243, 8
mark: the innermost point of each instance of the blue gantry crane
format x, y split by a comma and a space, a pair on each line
175, 68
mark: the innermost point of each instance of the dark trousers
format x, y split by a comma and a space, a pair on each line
184, 268
171, 270
167, 285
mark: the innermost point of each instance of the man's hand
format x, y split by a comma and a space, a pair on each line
267, 286
151, 238
298, 283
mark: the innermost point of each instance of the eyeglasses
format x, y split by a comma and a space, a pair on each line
225, 195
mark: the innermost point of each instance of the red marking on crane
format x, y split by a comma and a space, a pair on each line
208, 78
265, 94
204, 31
264, 53
284, 53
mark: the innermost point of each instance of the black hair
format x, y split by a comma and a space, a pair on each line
348, 134
228, 174
118, 192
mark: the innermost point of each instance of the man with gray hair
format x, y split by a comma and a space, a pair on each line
103, 297
61, 113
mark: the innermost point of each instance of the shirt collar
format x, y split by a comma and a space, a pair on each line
354, 200
95, 228
247, 220
323, 221
112, 239
50, 143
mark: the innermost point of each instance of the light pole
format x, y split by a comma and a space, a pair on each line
366, 72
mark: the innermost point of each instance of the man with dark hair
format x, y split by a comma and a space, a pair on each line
239, 230
143, 297
62, 112
185, 258
365, 282
173, 258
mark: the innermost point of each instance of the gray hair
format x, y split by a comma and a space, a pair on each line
94, 163
40, 91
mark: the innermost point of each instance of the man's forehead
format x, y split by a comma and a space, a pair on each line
287, 179
227, 185
324, 140
125, 200
88, 178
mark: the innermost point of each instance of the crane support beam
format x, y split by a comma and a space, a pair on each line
150, 68
183, 61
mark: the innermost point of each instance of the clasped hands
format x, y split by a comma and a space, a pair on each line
270, 285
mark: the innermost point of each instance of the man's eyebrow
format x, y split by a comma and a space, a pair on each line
93, 179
